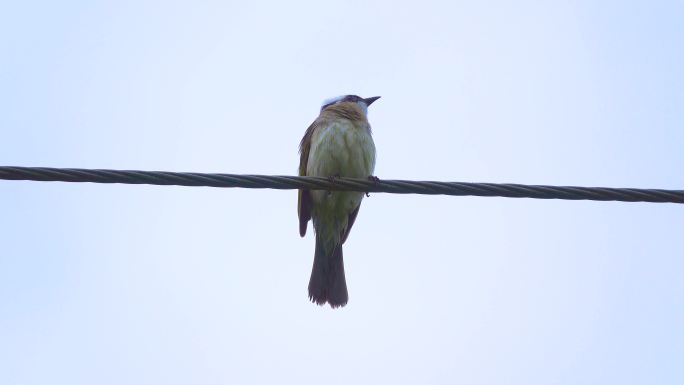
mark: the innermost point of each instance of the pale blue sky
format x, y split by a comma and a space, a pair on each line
115, 284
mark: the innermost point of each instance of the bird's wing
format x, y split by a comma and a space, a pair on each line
350, 223
304, 196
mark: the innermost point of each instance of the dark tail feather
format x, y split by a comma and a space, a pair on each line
327, 283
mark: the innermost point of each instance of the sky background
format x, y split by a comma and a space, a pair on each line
124, 284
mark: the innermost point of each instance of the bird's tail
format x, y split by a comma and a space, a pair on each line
327, 283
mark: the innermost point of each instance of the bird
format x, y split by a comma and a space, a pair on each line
337, 144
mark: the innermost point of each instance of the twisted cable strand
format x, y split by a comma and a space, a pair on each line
285, 182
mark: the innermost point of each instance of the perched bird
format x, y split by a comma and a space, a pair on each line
337, 144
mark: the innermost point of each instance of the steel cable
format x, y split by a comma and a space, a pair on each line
166, 178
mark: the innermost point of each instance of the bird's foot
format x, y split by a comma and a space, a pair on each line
373, 179
333, 179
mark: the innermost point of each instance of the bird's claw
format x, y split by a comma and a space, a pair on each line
373, 179
333, 179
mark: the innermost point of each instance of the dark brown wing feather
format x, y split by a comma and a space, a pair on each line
304, 196
304, 210
350, 222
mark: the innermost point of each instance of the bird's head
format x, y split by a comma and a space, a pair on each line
361, 102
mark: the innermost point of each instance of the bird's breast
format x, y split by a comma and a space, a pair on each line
342, 148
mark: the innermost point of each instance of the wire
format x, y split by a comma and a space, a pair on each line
344, 184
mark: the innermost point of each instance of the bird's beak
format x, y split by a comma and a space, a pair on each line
370, 101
